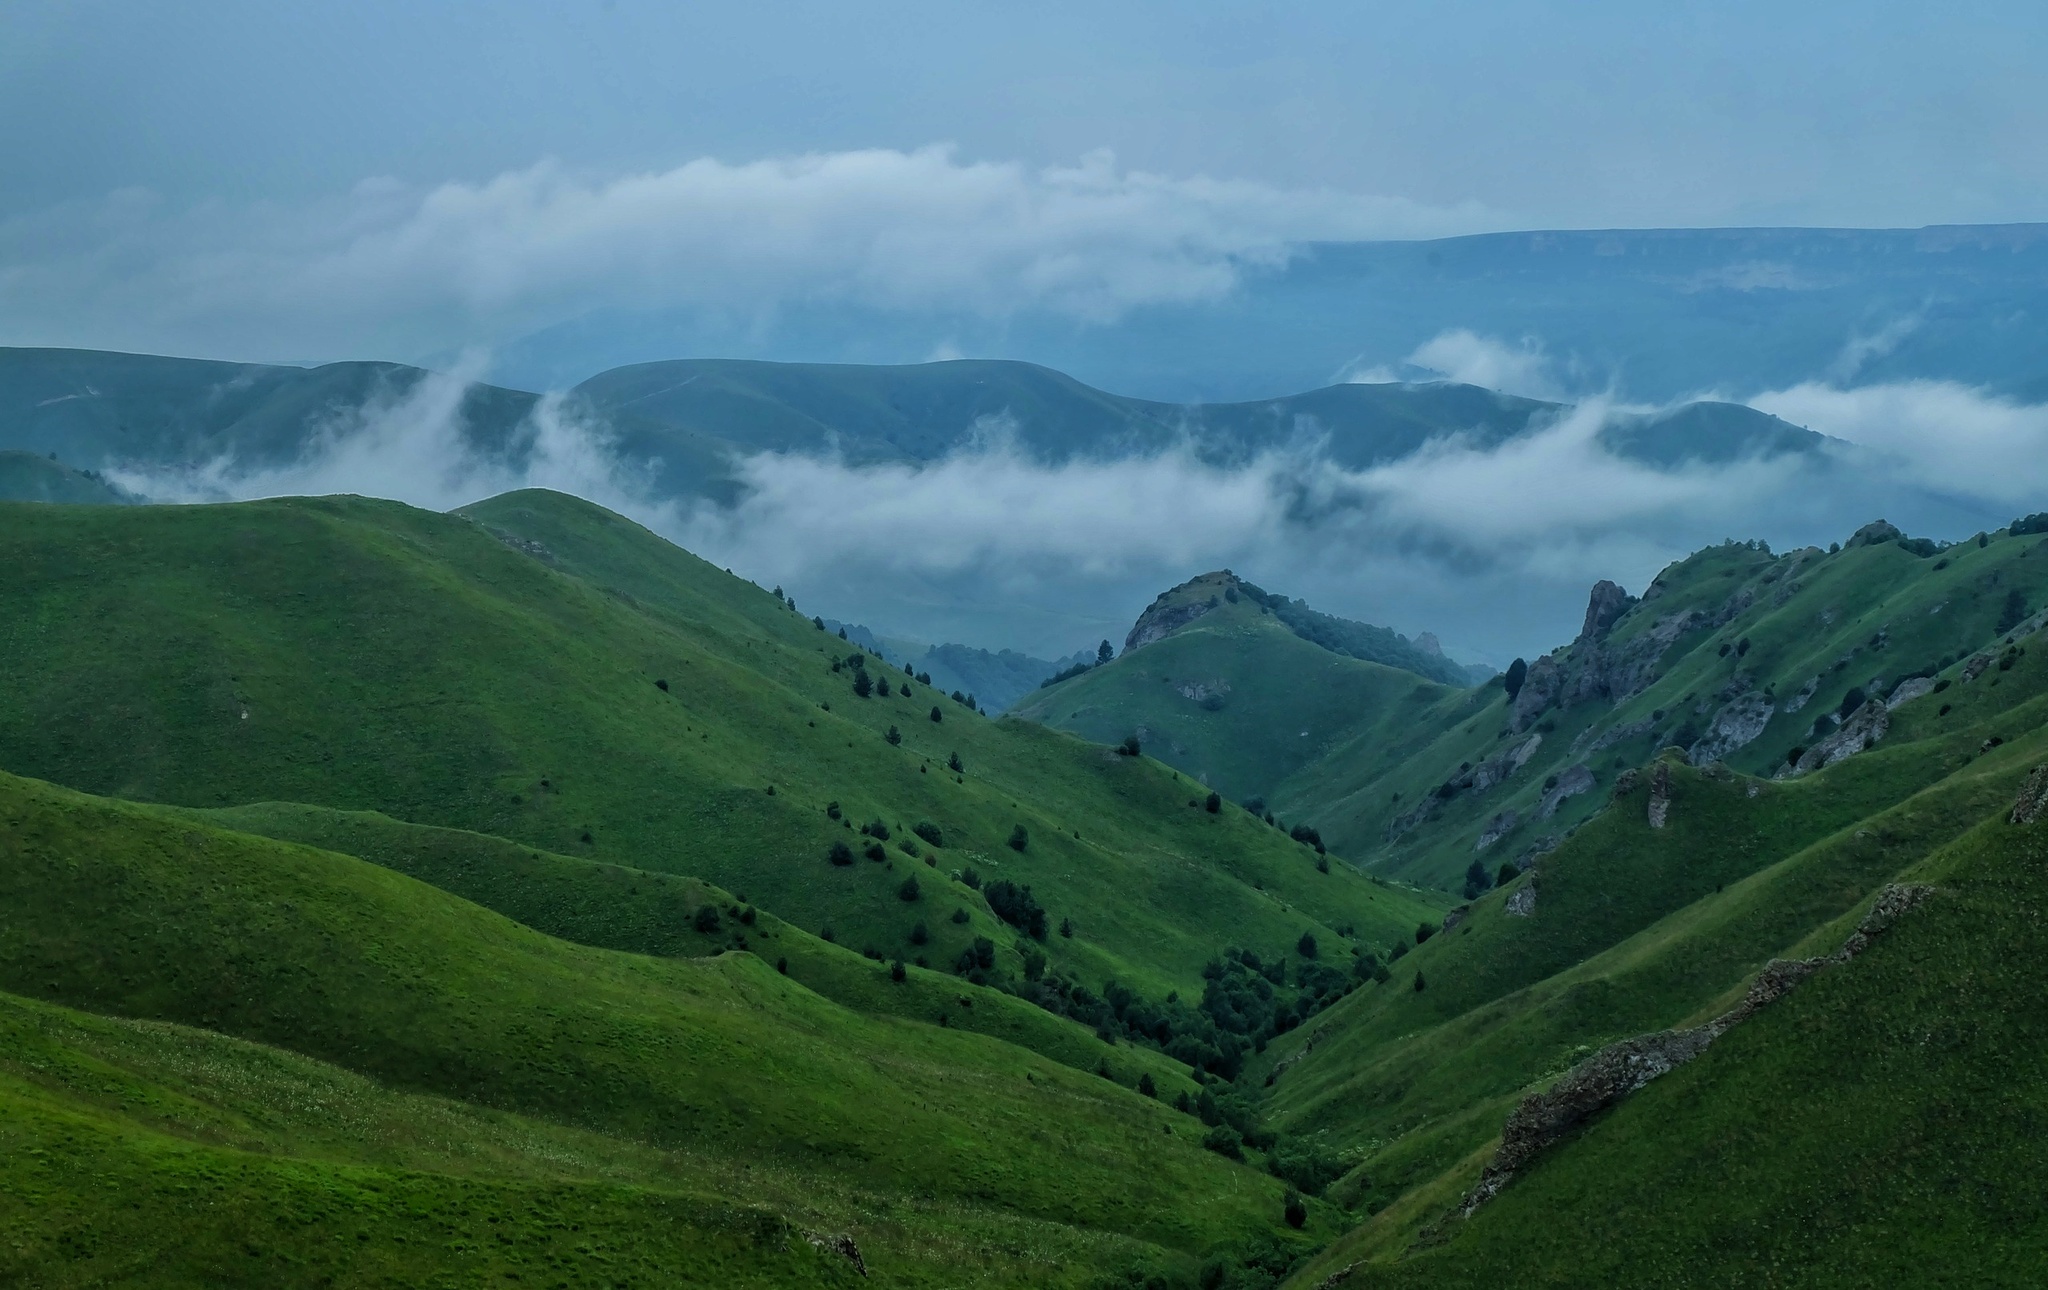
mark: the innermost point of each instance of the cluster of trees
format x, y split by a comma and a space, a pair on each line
1015, 906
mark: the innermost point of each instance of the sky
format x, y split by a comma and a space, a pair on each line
434, 182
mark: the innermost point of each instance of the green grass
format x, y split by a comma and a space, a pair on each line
118, 910
366, 656
1883, 1124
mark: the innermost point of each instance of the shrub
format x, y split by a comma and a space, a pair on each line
1129, 747
971, 878
882, 687
1019, 839
980, 955
1034, 965
1512, 679
782, 966
908, 891
747, 916
1146, 1086
1182, 1104
1306, 946
841, 853
861, 685
1015, 906
1420, 985
874, 852
953, 763
1067, 927
1307, 836
937, 716
959, 915
707, 919
875, 829
1296, 1210
929, 832
1423, 931
1213, 803
825, 933
1224, 1141
919, 935
1851, 701
818, 623
1256, 805
831, 810
894, 736
896, 972
661, 686
1322, 864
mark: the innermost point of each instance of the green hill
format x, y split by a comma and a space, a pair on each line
25, 477
710, 1068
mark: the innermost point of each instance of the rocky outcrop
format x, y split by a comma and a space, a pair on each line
1975, 667
1577, 780
1497, 828
1865, 726
1497, 768
1160, 621
1910, 689
1209, 696
1660, 795
1594, 667
2033, 798
1607, 604
840, 1244
1429, 644
1456, 916
1521, 901
1875, 533
1592, 742
1804, 697
1735, 725
1621, 1068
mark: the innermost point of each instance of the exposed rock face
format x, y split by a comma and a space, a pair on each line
1429, 644
1497, 828
1522, 901
1594, 667
840, 1244
1476, 779
1607, 603
1804, 697
1210, 696
1866, 726
1592, 743
1621, 1068
1577, 780
2033, 798
1909, 689
1157, 623
1736, 725
1456, 916
1660, 795
1540, 690
1975, 667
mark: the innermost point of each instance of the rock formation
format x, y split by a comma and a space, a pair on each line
1735, 725
1577, 780
2033, 798
1660, 795
1865, 726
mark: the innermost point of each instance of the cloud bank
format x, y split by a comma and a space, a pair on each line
421, 268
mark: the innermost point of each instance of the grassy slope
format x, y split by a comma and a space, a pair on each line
1884, 1124
27, 477
117, 909
1815, 617
1634, 930
614, 907
363, 655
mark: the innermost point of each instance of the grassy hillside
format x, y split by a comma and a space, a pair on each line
1881, 1124
26, 477
366, 656
122, 911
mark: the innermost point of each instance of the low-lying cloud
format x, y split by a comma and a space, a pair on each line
412, 270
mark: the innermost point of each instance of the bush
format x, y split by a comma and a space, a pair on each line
1423, 931
919, 935
1307, 836
841, 853
1851, 701
861, 685
1019, 839
971, 878
1420, 984
929, 832
831, 810
1296, 1210
1015, 906
959, 915
953, 763
661, 686
894, 736
874, 852
896, 972
1067, 927
707, 919
1224, 1141
1256, 805
1511, 680
1146, 1086
981, 955
882, 687
1306, 946
937, 716
1034, 965
2014, 612
1506, 875
1129, 747
1213, 803
908, 892
875, 829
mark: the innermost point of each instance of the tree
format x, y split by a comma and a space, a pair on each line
937, 716
861, 685
894, 736
874, 852
1476, 879
907, 672
924, 678
929, 832
918, 934
818, 623
1067, 928
2013, 614
1213, 804
1511, 680
1015, 906
707, 919
1306, 946
1103, 653
1034, 965
1420, 984
842, 633
1506, 875
882, 687
841, 854
1019, 839
896, 972
1146, 1086
908, 891
661, 686
1129, 747
1296, 1209
953, 763
1423, 931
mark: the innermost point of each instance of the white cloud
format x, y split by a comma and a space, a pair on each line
1940, 434
1462, 355
919, 230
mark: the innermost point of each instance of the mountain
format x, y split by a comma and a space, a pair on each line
26, 477
1654, 314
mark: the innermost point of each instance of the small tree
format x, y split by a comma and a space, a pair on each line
894, 736
2014, 612
882, 687
1129, 747
1511, 680
707, 919
818, 623
1213, 804
1506, 875
862, 687
1420, 984
1476, 879
842, 633
1423, 931
1146, 1086
1067, 928
1019, 839
929, 832
841, 854
1306, 946
874, 852
908, 892
919, 935
1296, 1209
1103, 653
896, 972
937, 716
953, 763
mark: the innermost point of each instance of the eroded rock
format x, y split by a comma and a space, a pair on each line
1865, 727
1577, 780
2033, 797
1660, 795
1735, 725
1910, 689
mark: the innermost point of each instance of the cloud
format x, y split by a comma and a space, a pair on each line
1860, 349
1459, 354
1948, 436
426, 268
